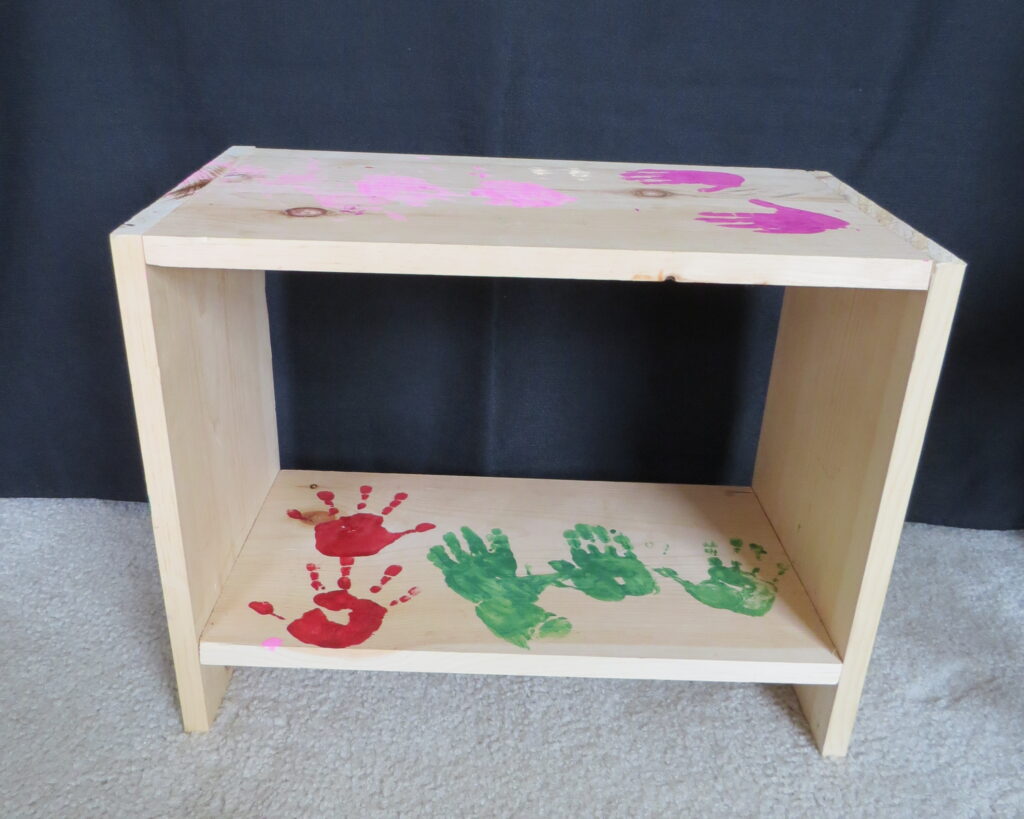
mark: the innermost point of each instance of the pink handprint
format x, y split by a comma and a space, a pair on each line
406, 190
713, 181
781, 220
512, 194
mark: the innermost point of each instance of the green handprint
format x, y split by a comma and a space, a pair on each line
603, 573
730, 587
486, 574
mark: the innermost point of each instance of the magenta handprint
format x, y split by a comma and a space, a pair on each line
712, 181
782, 219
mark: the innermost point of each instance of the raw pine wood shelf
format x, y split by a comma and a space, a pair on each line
455, 215
782, 581
659, 632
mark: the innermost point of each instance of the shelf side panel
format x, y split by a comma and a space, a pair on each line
852, 383
199, 357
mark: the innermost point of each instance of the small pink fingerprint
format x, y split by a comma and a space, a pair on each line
272, 643
511, 194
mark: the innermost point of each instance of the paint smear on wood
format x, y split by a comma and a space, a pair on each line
356, 535
262, 607
603, 565
508, 193
744, 591
486, 573
710, 181
406, 190
780, 219
346, 537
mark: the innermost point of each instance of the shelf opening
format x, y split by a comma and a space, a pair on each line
634, 381
366, 561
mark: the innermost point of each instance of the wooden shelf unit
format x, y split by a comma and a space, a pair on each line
779, 582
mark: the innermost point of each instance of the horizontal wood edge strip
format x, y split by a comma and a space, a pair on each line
541, 665
545, 262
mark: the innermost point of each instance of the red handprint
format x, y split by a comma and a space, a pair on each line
364, 615
356, 535
346, 537
782, 220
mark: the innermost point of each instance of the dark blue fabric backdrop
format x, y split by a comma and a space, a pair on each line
107, 104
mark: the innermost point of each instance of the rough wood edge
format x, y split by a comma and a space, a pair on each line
887, 219
150, 216
452, 662
333, 256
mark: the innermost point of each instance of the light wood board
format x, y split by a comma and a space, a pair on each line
852, 383
667, 635
337, 212
198, 347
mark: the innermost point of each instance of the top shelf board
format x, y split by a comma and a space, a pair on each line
254, 208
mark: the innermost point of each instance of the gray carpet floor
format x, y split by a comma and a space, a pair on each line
90, 727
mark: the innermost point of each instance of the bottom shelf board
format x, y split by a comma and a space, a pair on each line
517, 576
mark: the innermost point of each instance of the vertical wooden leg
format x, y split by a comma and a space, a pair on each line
198, 348
852, 384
